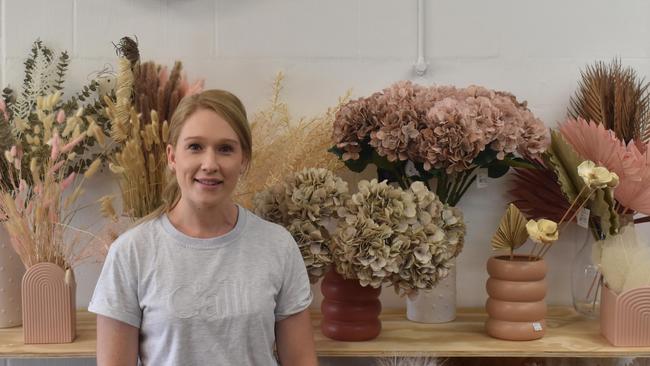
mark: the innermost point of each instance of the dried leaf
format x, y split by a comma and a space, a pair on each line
511, 233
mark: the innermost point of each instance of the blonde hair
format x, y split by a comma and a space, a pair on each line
227, 106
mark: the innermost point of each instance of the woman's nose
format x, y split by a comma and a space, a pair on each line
210, 162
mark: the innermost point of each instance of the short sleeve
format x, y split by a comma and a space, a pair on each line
116, 293
295, 294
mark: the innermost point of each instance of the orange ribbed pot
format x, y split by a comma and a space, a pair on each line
350, 311
49, 299
516, 306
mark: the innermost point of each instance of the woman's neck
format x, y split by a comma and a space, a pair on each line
204, 223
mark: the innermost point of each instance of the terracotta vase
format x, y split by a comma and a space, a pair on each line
11, 272
49, 304
350, 311
625, 318
516, 306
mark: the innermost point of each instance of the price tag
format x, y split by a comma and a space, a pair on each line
537, 326
482, 178
583, 217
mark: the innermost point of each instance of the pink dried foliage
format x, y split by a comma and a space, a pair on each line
60, 116
439, 126
55, 144
594, 142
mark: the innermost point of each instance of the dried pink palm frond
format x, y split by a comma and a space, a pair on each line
594, 142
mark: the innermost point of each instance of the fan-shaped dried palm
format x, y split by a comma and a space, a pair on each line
615, 97
511, 233
594, 142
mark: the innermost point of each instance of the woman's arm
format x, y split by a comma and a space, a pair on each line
117, 343
295, 340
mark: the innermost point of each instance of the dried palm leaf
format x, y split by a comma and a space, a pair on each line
537, 194
562, 158
615, 97
511, 233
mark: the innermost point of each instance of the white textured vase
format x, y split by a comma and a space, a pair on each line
437, 305
11, 274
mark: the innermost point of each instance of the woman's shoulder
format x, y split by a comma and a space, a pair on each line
136, 237
268, 230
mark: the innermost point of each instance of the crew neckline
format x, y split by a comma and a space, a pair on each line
216, 242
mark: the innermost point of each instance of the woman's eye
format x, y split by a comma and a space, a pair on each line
226, 148
194, 147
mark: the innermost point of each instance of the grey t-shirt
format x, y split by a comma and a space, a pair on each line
204, 301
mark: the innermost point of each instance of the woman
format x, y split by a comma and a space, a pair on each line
203, 281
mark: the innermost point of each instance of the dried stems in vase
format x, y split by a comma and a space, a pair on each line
36, 215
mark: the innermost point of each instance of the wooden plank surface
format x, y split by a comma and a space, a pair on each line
12, 346
568, 335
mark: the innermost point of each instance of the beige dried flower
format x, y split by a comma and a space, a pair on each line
372, 234
436, 235
305, 203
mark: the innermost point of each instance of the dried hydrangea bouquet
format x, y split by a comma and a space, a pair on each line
445, 132
416, 133
379, 236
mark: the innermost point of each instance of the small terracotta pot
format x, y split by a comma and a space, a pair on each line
350, 311
625, 318
516, 307
49, 304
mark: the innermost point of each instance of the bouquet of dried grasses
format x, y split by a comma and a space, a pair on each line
145, 99
38, 216
282, 146
23, 126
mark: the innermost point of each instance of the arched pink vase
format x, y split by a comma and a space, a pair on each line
49, 304
625, 318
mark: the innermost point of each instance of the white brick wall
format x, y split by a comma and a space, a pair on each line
534, 49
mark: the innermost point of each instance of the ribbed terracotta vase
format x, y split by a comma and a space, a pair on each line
625, 317
11, 273
350, 311
49, 304
516, 306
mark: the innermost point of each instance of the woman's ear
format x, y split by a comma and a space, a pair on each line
171, 157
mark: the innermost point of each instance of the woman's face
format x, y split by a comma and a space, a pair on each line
207, 160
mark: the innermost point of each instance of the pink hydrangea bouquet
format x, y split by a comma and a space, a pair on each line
415, 133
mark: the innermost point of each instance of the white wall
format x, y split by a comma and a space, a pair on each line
535, 49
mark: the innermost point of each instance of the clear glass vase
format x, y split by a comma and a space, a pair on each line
585, 279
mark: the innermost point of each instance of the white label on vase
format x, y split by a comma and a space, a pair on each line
482, 178
537, 326
583, 217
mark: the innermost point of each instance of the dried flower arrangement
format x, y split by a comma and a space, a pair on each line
36, 215
145, 99
306, 204
514, 230
300, 143
444, 131
22, 126
609, 125
379, 235
405, 238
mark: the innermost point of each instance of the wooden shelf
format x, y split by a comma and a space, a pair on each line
568, 335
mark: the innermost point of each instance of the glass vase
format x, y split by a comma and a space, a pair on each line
585, 280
